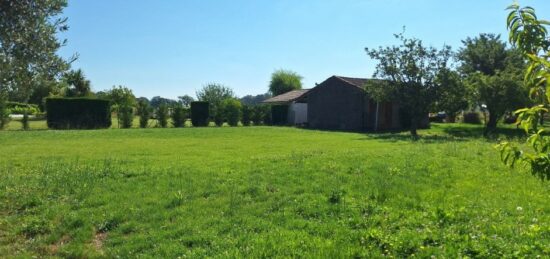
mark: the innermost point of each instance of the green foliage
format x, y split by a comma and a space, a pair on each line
29, 53
78, 85
261, 114
255, 99
215, 94
493, 75
123, 100
186, 100
179, 115
157, 101
126, 116
247, 112
283, 81
21, 108
78, 113
530, 36
453, 96
501, 92
410, 74
200, 115
144, 113
279, 114
219, 115
233, 111
265, 192
161, 115
120, 96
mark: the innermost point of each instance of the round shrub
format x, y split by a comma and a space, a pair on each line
162, 115
178, 116
233, 111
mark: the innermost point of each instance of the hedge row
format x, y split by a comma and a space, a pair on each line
200, 114
78, 113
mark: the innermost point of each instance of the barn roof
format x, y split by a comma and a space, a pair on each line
359, 82
287, 97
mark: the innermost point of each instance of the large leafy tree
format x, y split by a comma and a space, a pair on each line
491, 69
530, 36
29, 45
410, 76
215, 94
283, 81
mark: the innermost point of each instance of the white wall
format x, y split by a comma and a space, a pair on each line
297, 113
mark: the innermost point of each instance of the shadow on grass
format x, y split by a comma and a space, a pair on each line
442, 132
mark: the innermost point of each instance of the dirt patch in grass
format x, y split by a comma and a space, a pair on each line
54, 248
98, 241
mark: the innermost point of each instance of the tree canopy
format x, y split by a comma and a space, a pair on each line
186, 100
29, 45
493, 72
409, 74
78, 85
215, 94
283, 81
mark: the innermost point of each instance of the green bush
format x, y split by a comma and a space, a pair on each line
219, 115
178, 116
200, 114
144, 113
232, 110
162, 115
78, 113
247, 115
20, 108
471, 118
279, 114
261, 114
126, 116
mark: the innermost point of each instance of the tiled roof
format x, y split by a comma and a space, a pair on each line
287, 97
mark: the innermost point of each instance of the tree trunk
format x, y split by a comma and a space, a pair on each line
491, 124
414, 127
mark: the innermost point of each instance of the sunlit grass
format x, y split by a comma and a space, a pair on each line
265, 191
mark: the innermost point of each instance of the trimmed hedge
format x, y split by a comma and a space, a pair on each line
78, 113
279, 114
200, 114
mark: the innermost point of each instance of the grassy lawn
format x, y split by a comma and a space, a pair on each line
266, 191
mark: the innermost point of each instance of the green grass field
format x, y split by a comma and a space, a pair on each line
265, 192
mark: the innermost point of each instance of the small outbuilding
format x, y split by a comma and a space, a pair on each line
294, 103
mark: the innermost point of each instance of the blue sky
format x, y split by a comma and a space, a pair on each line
174, 47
